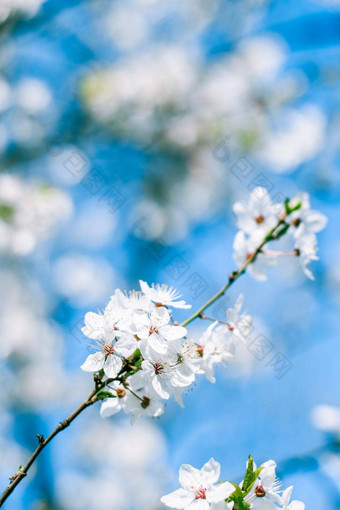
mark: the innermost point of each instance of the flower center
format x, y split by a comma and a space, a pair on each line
259, 219
145, 402
158, 367
200, 350
259, 491
121, 392
230, 327
296, 222
153, 329
200, 494
108, 349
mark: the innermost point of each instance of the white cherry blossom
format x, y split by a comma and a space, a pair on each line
163, 295
155, 331
265, 494
239, 324
212, 349
109, 356
305, 250
164, 375
142, 401
245, 246
198, 488
258, 214
306, 221
293, 505
112, 406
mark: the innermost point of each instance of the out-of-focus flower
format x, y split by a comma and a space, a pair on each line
125, 473
22, 7
300, 139
82, 279
29, 213
327, 419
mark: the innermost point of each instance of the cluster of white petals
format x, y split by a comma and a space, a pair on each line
260, 215
201, 490
138, 328
29, 213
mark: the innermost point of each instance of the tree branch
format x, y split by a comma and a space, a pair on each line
99, 384
273, 234
42, 442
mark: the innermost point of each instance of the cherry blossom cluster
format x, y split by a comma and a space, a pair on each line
146, 356
260, 219
259, 490
143, 356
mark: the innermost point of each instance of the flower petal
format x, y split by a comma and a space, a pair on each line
178, 499
93, 362
112, 365
172, 332
210, 473
110, 406
94, 326
126, 345
220, 492
158, 343
189, 476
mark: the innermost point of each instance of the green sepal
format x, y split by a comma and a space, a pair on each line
281, 232
290, 209
102, 395
237, 497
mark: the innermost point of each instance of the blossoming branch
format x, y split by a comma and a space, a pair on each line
142, 356
259, 490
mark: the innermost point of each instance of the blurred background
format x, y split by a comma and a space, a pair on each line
128, 129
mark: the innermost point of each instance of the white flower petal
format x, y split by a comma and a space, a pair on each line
110, 406
220, 492
178, 499
94, 362
172, 332
189, 476
112, 365
157, 343
210, 473
94, 326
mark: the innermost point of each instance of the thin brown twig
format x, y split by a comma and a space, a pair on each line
99, 384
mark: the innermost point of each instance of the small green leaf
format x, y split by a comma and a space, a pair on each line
249, 476
257, 472
102, 395
289, 208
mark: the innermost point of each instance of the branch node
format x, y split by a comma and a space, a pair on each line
41, 438
63, 424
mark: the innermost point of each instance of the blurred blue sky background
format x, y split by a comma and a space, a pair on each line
152, 118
